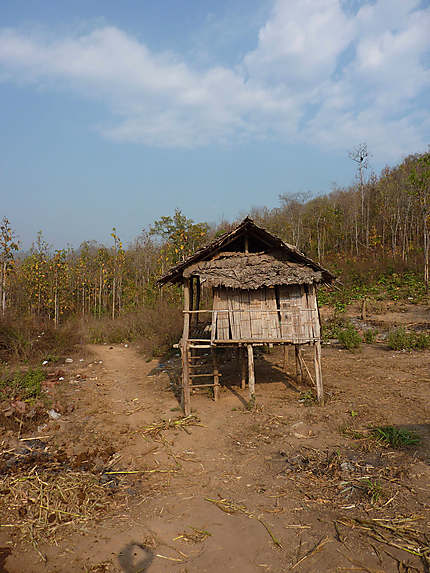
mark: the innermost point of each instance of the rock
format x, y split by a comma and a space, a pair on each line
68, 360
53, 414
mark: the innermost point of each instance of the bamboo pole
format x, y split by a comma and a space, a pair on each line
285, 358
299, 368
186, 391
243, 367
318, 373
251, 373
216, 374
198, 295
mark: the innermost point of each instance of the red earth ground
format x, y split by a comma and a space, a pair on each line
287, 486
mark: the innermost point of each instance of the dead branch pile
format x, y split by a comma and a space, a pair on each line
156, 428
402, 533
40, 504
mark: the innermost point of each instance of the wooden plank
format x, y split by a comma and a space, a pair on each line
234, 304
245, 323
186, 329
255, 317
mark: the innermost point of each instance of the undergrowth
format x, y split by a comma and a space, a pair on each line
24, 385
395, 437
155, 329
30, 340
401, 339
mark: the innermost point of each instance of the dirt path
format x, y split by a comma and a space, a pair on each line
278, 468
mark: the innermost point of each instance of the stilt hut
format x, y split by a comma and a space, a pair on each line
263, 292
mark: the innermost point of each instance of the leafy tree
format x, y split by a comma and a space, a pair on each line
420, 184
181, 237
8, 245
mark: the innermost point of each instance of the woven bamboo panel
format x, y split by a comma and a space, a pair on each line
252, 314
299, 313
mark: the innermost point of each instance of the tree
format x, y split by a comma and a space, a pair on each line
420, 186
8, 245
181, 236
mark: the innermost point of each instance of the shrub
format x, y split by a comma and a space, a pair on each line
369, 336
22, 384
31, 340
155, 329
395, 437
349, 337
400, 339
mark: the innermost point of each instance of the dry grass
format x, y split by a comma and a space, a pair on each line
156, 428
42, 505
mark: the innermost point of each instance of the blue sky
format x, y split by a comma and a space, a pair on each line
115, 113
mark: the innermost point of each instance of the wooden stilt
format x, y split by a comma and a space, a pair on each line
251, 374
198, 294
216, 374
318, 374
299, 368
243, 367
285, 358
186, 390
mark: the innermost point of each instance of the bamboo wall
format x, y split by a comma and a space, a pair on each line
281, 313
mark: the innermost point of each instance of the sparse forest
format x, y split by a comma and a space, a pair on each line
85, 412
378, 224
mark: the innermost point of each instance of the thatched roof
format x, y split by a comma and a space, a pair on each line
252, 271
290, 266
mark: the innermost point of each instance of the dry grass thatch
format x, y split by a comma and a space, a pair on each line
258, 236
253, 271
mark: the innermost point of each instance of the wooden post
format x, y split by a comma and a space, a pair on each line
251, 374
216, 374
186, 391
299, 369
243, 367
285, 358
198, 293
318, 374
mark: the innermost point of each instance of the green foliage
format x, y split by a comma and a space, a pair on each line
308, 398
369, 336
395, 437
401, 339
349, 337
331, 327
22, 384
373, 489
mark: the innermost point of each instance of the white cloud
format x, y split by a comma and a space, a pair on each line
319, 73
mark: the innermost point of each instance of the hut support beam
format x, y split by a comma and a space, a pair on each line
299, 367
216, 374
285, 358
198, 294
243, 367
318, 374
186, 390
251, 373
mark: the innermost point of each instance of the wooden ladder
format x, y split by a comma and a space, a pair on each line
197, 363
